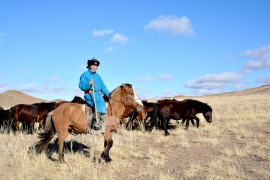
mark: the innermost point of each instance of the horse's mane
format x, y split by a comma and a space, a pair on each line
202, 105
127, 84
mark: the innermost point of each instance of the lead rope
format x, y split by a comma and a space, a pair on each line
93, 87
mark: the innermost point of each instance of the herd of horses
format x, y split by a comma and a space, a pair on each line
70, 117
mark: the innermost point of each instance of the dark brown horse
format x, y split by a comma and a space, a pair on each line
70, 117
29, 114
150, 109
185, 110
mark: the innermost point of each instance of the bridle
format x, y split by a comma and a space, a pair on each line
128, 102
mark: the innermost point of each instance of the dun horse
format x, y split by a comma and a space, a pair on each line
70, 117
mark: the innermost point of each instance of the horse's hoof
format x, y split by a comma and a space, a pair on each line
167, 134
103, 160
62, 161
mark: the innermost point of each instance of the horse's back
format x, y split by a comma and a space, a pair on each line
69, 114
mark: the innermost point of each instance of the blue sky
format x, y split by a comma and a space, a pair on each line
162, 48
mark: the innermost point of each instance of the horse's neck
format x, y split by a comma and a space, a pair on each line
116, 109
115, 106
201, 107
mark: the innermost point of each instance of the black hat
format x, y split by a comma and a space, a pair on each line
93, 61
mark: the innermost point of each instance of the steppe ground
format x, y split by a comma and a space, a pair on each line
234, 146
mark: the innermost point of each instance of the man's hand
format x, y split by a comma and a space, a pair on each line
106, 98
91, 82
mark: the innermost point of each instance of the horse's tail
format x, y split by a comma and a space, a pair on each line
45, 136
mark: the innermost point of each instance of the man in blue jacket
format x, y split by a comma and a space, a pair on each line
94, 90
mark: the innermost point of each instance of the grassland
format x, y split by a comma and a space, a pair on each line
234, 146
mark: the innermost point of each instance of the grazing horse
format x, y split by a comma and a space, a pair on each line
150, 109
185, 110
70, 117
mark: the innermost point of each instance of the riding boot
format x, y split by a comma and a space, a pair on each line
99, 126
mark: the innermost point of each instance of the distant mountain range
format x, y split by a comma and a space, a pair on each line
13, 97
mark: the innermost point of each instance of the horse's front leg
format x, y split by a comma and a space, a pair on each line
187, 123
153, 119
108, 143
192, 122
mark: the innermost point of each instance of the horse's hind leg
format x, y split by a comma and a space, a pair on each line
187, 123
60, 142
197, 121
52, 149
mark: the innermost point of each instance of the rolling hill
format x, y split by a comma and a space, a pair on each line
13, 97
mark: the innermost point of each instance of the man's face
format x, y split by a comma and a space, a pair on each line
93, 68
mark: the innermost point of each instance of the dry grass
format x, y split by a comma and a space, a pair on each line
234, 146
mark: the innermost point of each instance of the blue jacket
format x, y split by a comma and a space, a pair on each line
99, 87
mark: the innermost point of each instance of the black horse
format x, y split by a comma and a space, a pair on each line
4, 120
185, 110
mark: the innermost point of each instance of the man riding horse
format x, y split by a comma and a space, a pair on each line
94, 93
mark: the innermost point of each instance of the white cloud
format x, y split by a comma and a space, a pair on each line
102, 32
4, 87
164, 77
110, 49
239, 86
161, 77
260, 58
213, 82
28, 88
264, 80
54, 79
171, 24
147, 79
119, 38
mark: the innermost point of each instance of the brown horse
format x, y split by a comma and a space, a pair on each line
130, 109
185, 110
70, 117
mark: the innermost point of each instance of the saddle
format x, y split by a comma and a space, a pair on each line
89, 115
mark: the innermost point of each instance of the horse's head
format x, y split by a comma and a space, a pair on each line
134, 101
129, 98
208, 114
